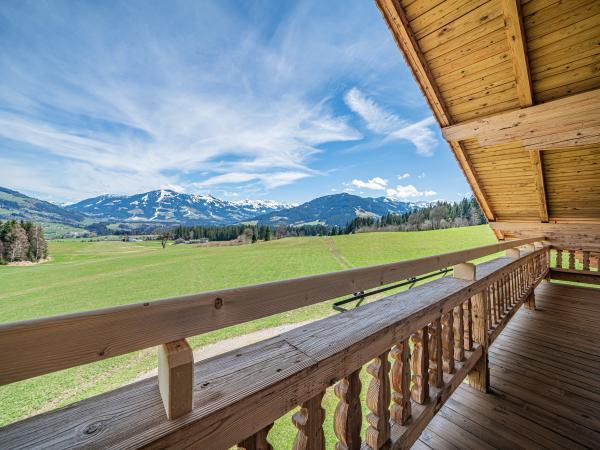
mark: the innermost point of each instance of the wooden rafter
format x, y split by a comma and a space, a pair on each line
396, 19
515, 34
538, 176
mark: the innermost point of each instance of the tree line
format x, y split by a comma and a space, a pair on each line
436, 216
22, 241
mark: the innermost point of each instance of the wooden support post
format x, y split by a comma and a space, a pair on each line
436, 373
419, 364
572, 259
513, 253
347, 418
448, 342
401, 410
176, 377
459, 333
377, 434
258, 441
530, 302
309, 422
479, 377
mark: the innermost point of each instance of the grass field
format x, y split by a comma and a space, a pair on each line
90, 275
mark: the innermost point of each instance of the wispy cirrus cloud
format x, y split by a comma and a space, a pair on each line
127, 98
383, 122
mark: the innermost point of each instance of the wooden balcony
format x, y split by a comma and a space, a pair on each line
417, 347
545, 381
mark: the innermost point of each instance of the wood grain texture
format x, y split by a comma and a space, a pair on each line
551, 409
565, 120
400, 380
517, 44
40, 346
176, 377
258, 441
377, 434
398, 23
309, 421
347, 418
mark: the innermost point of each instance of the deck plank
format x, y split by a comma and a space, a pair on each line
545, 381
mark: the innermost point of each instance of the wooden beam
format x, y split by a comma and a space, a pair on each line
517, 45
396, 20
540, 189
578, 236
561, 123
35, 347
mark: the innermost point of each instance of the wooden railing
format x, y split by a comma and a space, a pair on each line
436, 334
577, 265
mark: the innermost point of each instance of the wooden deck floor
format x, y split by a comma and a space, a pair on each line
545, 379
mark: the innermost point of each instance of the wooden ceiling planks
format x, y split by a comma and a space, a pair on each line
482, 61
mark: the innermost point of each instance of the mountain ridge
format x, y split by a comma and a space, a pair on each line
166, 207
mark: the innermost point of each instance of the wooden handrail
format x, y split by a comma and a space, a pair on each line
40, 346
238, 395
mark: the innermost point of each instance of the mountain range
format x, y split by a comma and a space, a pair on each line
167, 207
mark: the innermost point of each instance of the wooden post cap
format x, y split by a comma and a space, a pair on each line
176, 377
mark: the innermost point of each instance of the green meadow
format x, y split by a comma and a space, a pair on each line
90, 275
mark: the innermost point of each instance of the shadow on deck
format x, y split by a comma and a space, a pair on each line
545, 380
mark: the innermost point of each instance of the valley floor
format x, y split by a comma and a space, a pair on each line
91, 275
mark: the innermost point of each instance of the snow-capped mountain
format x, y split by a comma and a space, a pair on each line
167, 206
337, 209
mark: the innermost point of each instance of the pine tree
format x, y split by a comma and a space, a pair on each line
267, 233
16, 243
254, 236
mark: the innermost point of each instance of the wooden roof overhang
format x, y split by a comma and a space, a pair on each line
515, 86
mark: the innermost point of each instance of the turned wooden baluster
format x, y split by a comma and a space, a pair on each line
309, 421
378, 402
436, 374
258, 441
401, 411
503, 306
572, 259
468, 324
419, 364
459, 333
498, 312
490, 306
559, 258
347, 419
448, 342
586, 260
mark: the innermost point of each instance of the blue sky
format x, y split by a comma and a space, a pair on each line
280, 100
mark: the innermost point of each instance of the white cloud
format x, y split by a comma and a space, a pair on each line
404, 176
386, 123
376, 184
408, 191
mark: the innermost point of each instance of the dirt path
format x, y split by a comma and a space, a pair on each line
337, 255
227, 345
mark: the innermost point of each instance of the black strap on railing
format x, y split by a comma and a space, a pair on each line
410, 282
